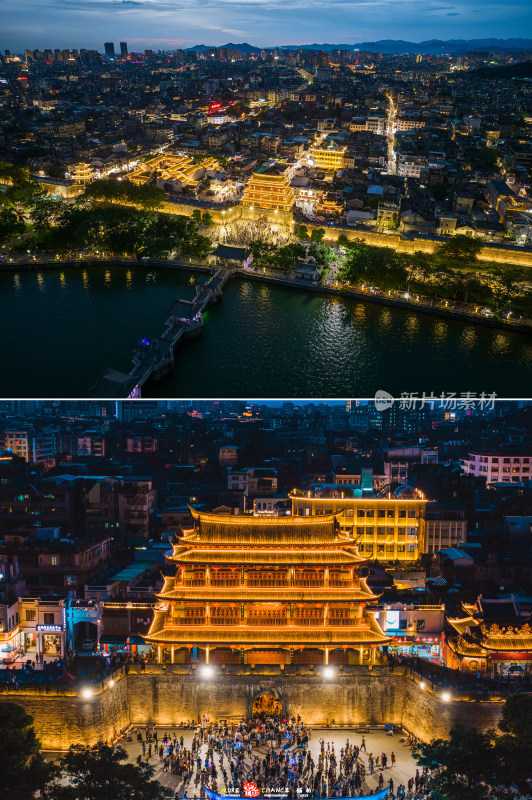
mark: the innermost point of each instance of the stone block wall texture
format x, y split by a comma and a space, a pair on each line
170, 697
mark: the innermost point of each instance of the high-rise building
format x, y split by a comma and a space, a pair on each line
123, 50
387, 525
109, 50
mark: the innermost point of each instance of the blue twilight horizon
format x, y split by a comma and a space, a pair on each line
171, 24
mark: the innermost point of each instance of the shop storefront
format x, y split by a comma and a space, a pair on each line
511, 665
50, 640
10, 646
428, 647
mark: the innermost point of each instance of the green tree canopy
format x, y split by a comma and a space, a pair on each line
23, 771
11, 224
380, 266
146, 196
482, 765
460, 247
317, 234
99, 774
516, 719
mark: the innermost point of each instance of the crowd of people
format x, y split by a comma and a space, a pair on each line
274, 756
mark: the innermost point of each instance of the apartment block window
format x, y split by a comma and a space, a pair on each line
402, 624
49, 619
420, 625
55, 561
30, 615
360, 512
381, 513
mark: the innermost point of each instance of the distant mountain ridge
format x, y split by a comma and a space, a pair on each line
393, 46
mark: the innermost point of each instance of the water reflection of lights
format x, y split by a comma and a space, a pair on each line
129, 278
385, 319
440, 331
468, 338
412, 326
501, 343
40, 280
85, 276
16, 280
108, 276
62, 279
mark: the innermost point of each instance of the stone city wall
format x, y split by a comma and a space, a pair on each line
168, 697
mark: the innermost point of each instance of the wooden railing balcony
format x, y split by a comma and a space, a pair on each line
266, 621
190, 621
194, 582
223, 583
267, 583
224, 621
301, 582
308, 621
340, 584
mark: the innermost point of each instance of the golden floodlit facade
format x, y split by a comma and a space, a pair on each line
265, 590
269, 188
491, 637
387, 526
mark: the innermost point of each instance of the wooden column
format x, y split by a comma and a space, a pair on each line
326, 655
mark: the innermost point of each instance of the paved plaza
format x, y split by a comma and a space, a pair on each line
377, 742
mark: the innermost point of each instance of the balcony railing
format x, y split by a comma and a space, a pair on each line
266, 582
308, 621
302, 582
267, 621
228, 583
336, 583
190, 621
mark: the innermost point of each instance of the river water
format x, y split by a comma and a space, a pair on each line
61, 328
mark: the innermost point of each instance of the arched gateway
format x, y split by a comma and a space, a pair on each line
265, 590
267, 704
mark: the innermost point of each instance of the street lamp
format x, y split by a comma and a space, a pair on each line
446, 697
329, 672
206, 672
87, 693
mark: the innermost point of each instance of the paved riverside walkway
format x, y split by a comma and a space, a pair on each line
377, 742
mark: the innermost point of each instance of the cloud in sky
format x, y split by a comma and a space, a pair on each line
88, 23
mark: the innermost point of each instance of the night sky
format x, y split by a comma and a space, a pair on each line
170, 24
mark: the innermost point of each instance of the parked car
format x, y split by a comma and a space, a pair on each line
87, 644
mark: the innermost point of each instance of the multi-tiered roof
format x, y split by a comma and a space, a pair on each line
245, 581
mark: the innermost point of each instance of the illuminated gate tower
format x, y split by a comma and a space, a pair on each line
265, 590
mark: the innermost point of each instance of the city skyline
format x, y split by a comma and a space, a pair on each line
264, 23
